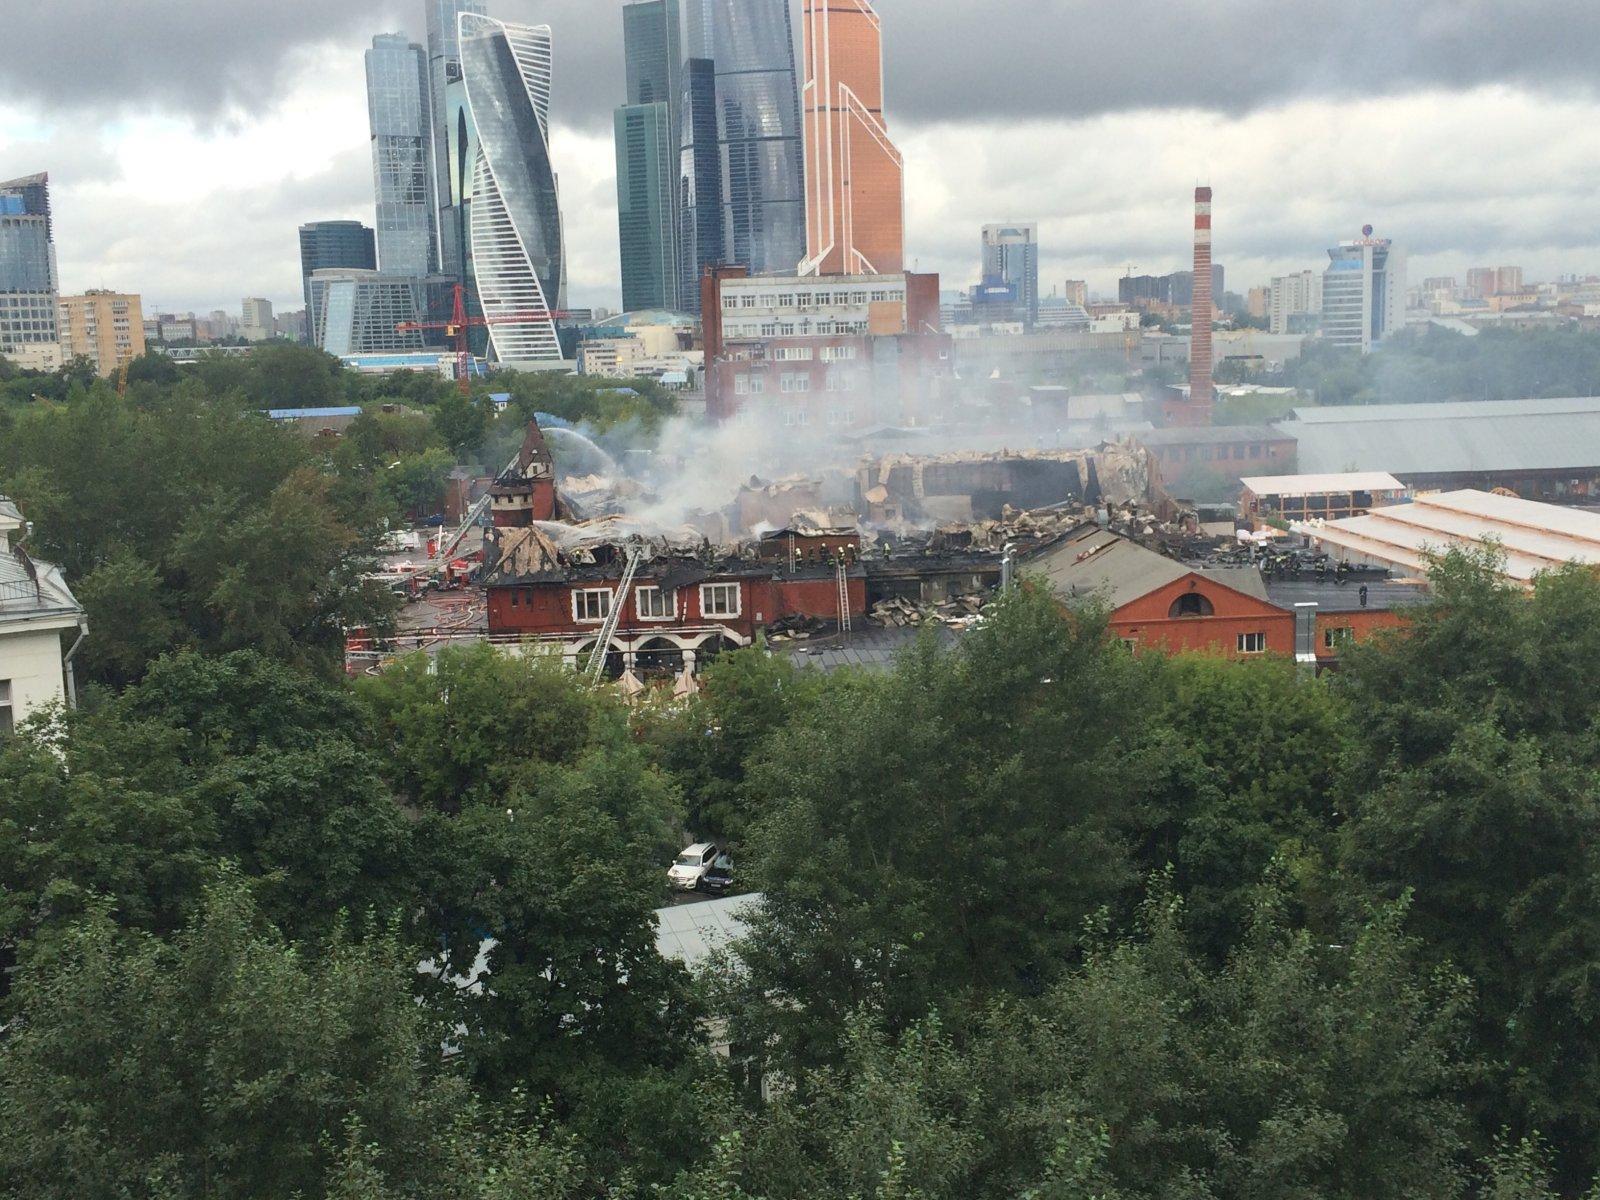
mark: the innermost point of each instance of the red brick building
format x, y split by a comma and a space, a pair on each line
526, 491
681, 607
1161, 603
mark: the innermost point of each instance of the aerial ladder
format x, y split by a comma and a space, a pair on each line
597, 657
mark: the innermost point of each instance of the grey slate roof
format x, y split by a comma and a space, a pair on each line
1456, 437
872, 647
21, 598
1092, 562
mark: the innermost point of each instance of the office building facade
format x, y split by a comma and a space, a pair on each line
646, 221
855, 193
256, 322
398, 111
29, 319
1293, 301
1363, 292
107, 328
358, 312
739, 121
646, 134
333, 245
1011, 261
515, 231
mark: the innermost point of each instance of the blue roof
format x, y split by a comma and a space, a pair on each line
297, 414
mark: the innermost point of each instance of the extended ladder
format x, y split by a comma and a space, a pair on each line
844, 597
597, 657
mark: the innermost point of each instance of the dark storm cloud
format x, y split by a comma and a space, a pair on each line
948, 60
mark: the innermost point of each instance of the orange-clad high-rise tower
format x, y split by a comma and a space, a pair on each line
855, 205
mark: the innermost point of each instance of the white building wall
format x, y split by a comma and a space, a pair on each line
31, 661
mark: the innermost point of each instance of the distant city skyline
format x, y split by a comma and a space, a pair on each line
273, 133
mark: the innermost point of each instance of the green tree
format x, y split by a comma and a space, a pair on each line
1252, 776
1476, 761
708, 744
944, 829
214, 1065
234, 758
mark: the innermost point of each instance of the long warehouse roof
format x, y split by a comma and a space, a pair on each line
1434, 439
1534, 537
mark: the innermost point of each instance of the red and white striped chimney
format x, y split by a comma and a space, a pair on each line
1201, 393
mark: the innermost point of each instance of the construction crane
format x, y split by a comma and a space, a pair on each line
459, 323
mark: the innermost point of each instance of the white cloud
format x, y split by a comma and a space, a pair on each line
198, 216
1457, 178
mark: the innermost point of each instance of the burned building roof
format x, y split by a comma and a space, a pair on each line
1092, 562
599, 549
974, 485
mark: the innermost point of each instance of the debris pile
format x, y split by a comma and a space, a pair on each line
960, 613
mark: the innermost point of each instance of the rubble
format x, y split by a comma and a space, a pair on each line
960, 613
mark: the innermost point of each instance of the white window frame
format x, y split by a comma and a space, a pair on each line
1335, 636
8, 712
741, 385
581, 595
1252, 643
709, 611
758, 384
668, 602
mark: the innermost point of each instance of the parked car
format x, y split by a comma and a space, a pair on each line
690, 867
718, 879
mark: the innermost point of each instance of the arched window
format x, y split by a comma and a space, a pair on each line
1190, 604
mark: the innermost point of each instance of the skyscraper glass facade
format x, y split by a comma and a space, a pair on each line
647, 230
332, 244
647, 148
741, 195
403, 181
444, 76
700, 233
515, 232
855, 214
358, 311
1011, 260
28, 280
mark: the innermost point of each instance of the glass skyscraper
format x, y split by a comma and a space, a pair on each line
751, 44
328, 244
446, 108
402, 133
647, 156
1011, 260
646, 223
515, 221
28, 280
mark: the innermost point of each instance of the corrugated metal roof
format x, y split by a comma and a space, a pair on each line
1310, 485
1434, 439
688, 933
1534, 537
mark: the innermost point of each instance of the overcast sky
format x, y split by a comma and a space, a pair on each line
187, 139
